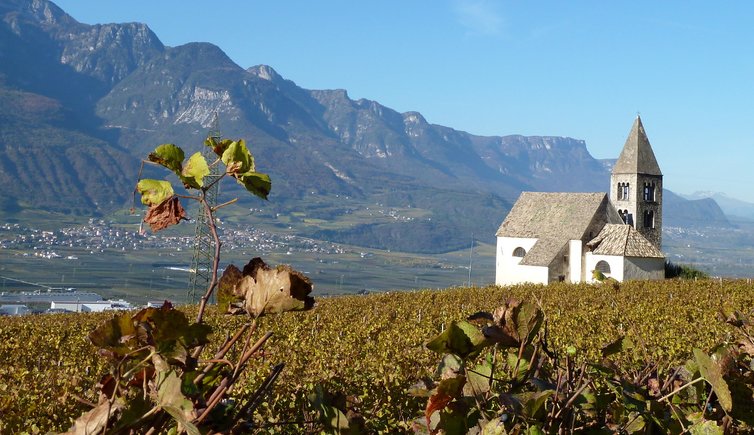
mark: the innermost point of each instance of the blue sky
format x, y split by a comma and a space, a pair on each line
580, 68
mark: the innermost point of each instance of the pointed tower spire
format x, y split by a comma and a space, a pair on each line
636, 186
637, 156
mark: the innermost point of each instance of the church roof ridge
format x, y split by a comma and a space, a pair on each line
625, 240
637, 156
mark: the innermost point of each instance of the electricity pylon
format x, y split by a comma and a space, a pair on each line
204, 245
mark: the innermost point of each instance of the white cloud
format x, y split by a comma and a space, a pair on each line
480, 16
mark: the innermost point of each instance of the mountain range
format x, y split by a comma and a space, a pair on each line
81, 104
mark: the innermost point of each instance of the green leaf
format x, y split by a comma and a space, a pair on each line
171, 399
711, 372
534, 430
218, 147
618, 346
533, 402
115, 335
523, 363
330, 408
637, 424
237, 158
460, 338
169, 156
494, 427
450, 363
154, 192
134, 410
528, 321
478, 379
194, 171
423, 388
706, 428
257, 183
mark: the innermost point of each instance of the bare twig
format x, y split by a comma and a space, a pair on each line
259, 393
224, 349
232, 201
677, 390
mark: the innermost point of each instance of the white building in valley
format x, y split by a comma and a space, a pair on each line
549, 237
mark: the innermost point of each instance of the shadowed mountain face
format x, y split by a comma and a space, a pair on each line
81, 104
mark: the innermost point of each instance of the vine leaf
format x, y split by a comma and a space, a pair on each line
330, 409
154, 192
276, 290
165, 214
618, 346
115, 335
257, 183
194, 171
171, 399
95, 421
170, 333
228, 301
447, 390
706, 427
711, 372
264, 290
218, 147
237, 158
515, 322
460, 338
169, 156
449, 365
478, 380
533, 402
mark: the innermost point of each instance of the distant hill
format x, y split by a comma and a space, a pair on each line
692, 213
735, 208
81, 104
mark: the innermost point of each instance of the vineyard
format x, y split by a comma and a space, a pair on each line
368, 351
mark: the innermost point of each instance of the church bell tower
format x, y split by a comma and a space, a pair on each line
636, 186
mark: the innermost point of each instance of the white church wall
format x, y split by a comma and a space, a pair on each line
615, 262
644, 268
575, 269
507, 268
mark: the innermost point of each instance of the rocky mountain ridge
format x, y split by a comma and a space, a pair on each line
97, 98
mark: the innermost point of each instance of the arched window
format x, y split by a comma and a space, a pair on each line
649, 219
626, 216
519, 252
603, 266
649, 192
623, 191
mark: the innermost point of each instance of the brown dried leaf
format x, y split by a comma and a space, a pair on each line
653, 387
514, 322
227, 294
165, 214
276, 290
95, 421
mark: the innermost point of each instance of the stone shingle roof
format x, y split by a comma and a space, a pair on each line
619, 239
637, 156
554, 219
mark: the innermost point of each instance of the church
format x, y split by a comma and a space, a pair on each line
549, 237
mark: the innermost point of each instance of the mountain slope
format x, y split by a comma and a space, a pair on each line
81, 104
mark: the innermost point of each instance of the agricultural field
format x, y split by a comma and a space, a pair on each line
371, 348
